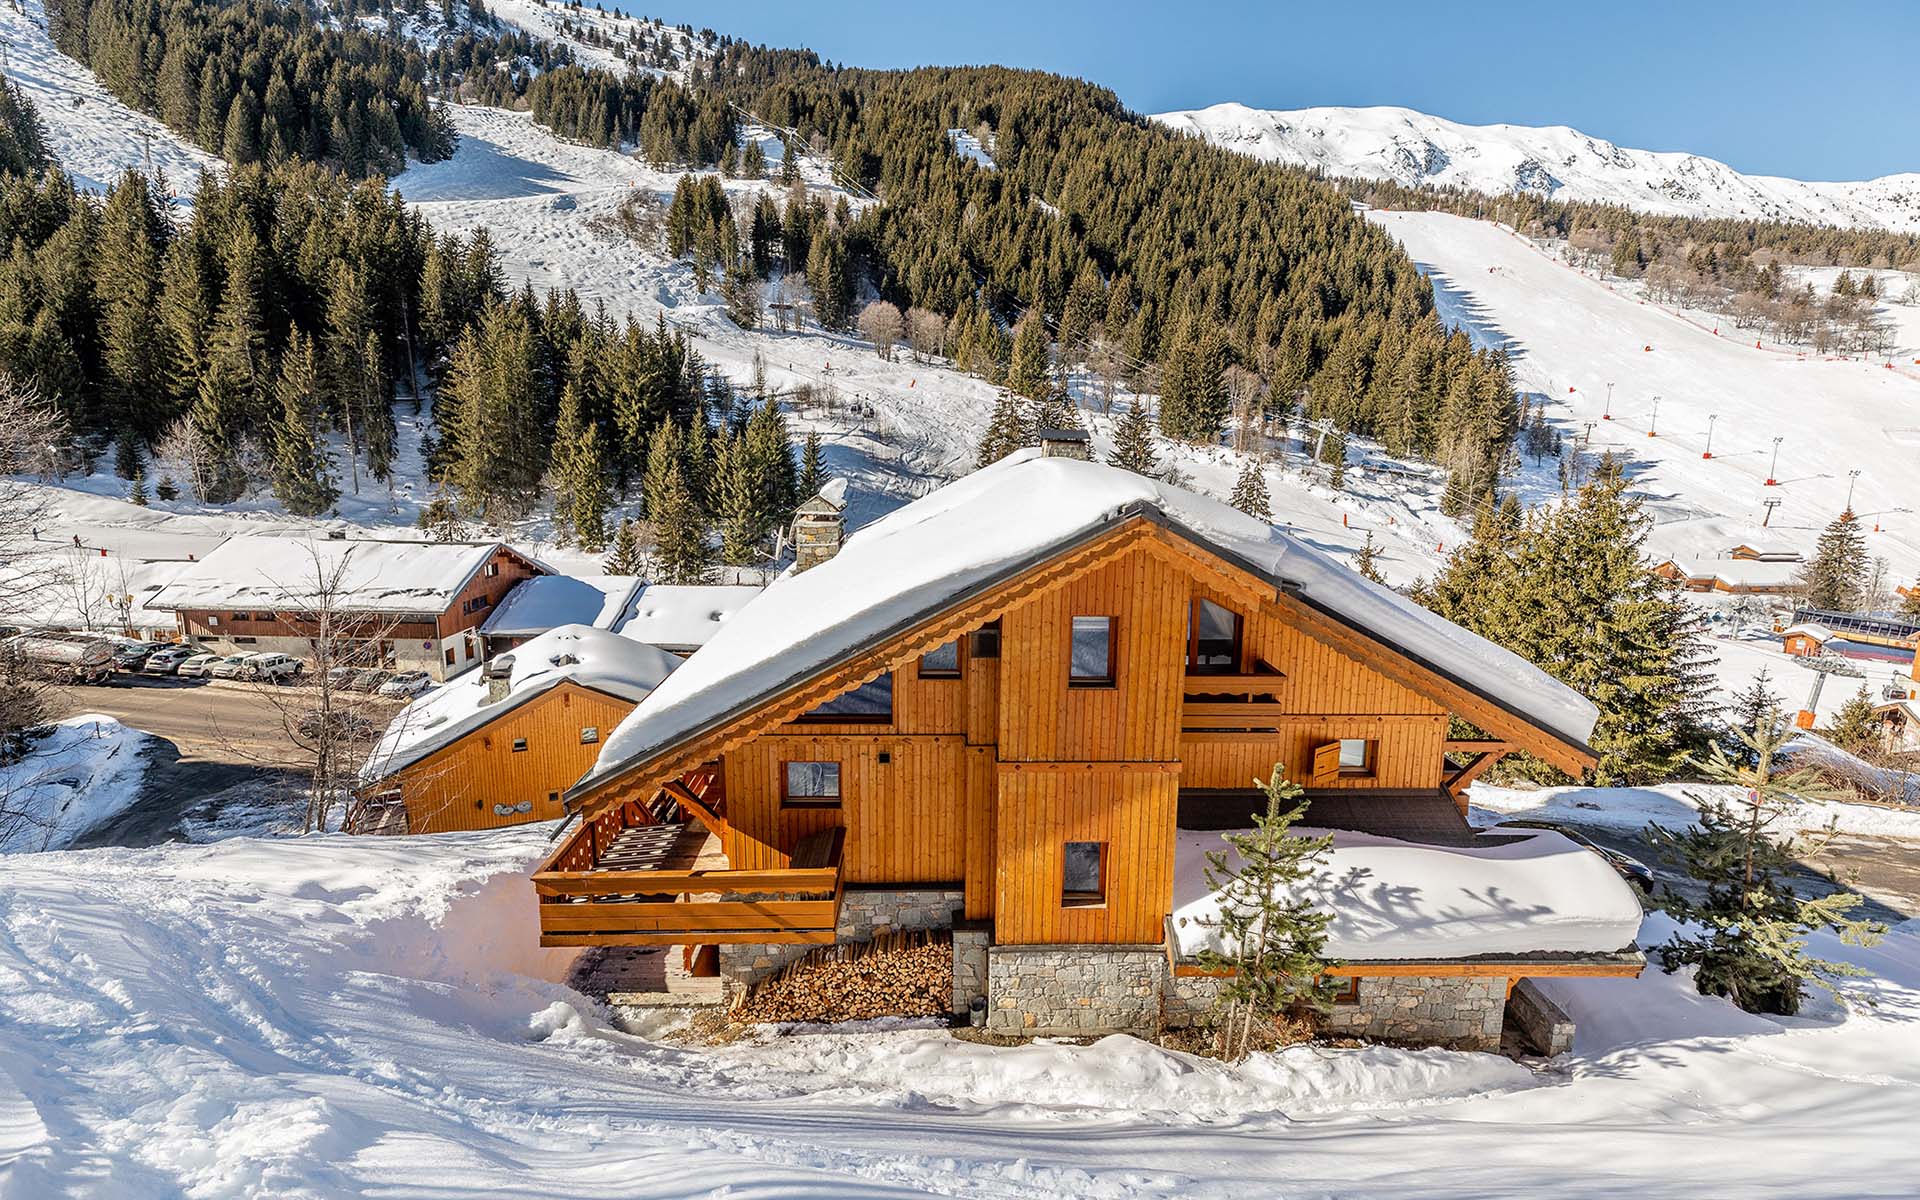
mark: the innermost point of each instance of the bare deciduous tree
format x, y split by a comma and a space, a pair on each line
33, 441
881, 323
926, 333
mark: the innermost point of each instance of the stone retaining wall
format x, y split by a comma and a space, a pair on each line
1462, 1012
1546, 1025
1076, 989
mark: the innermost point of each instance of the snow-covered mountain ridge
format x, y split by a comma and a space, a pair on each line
1413, 148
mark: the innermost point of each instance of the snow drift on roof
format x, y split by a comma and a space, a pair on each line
922, 557
681, 616
550, 601
251, 571
593, 658
1390, 899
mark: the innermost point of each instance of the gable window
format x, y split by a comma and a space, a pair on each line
1356, 756
1083, 874
589, 735
1092, 655
1213, 639
810, 783
519, 744
986, 640
871, 701
942, 662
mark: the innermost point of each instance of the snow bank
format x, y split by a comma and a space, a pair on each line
1391, 899
994, 522
89, 768
1674, 805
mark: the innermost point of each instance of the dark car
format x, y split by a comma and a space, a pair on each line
131, 656
1624, 865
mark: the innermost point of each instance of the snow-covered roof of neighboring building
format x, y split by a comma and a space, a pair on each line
681, 616
1808, 629
1002, 519
592, 658
252, 571
549, 601
1537, 895
1740, 572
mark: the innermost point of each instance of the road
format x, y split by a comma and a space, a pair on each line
222, 755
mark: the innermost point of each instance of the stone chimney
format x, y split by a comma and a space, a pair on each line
498, 674
819, 524
1065, 443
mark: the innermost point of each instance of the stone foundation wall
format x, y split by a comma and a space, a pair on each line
1042, 990
1546, 1025
970, 946
1462, 1012
864, 914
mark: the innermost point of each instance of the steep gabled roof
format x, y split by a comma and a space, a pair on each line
549, 601
250, 571
1025, 510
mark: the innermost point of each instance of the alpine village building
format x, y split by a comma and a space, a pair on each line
1022, 707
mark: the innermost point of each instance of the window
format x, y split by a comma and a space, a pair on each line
1356, 756
449, 656
240, 616
986, 640
246, 641
493, 568
589, 735
1346, 988
1083, 874
1213, 639
519, 744
811, 783
871, 701
942, 662
1092, 652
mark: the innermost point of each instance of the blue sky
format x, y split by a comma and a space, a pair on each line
1826, 91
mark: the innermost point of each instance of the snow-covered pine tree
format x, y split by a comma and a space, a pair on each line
1836, 579
1854, 727
301, 480
1273, 939
1366, 560
1747, 938
1008, 430
1133, 442
624, 558
1250, 492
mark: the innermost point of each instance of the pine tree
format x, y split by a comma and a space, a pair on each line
1133, 442
1028, 372
1250, 493
300, 479
1854, 728
1910, 606
1755, 708
1747, 938
1366, 560
1272, 939
1007, 431
137, 491
1333, 452
167, 489
440, 518
624, 558
578, 474
681, 550
813, 468
1836, 579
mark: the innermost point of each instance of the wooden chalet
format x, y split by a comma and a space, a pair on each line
400, 605
1012, 695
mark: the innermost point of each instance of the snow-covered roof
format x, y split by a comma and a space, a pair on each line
549, 601
252, 571
1808, 629
681, 616
999, 520
1542, 894
1740, 572
592, 658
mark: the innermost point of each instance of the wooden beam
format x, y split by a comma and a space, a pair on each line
755, 937
716, 825
672, 883
1461, 779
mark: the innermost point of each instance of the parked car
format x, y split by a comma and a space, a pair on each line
197, 666
233, 666
368, 680
274, 667
1625, 865
64, 657
406, 685
131, 656
340, 677
167, 659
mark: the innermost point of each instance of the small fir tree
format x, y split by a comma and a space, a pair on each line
1250, 493
1910, 604
1747, 938
1333, 452
1854, 727
167, 489
1367, 560
1755, 708
441, 518
624, 558
1836, 579
813, 467
1007, 431
137, 490
1133, 442
1273, 939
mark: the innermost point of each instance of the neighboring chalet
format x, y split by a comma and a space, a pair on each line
1859, 636
676, 618
499, 745
1024, 705
1736, 575
401, 605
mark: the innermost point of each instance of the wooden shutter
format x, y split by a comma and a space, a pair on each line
1326, 764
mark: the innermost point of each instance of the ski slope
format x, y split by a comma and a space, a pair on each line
1415, 149
325, 1016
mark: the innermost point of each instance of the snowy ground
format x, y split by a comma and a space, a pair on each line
85, 770
333, 1017
1674, 805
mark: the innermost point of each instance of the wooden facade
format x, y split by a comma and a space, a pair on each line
995, 772
511, 770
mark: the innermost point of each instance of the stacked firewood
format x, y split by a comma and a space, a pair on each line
904, 974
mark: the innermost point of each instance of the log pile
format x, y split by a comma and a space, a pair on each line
903, 974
